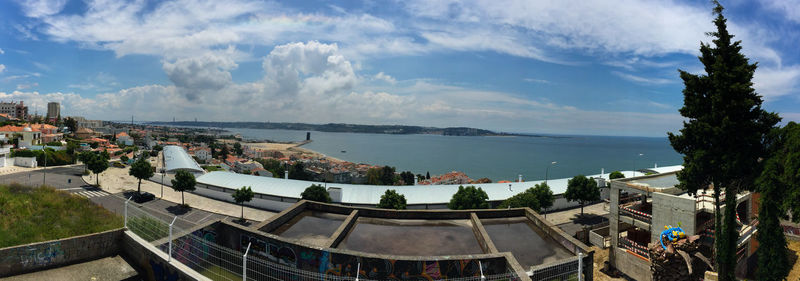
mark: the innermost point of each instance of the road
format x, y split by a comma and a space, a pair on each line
69, 179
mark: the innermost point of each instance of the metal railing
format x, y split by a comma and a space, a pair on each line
217, 262
636, 214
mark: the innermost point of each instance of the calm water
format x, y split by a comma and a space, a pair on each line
497, 158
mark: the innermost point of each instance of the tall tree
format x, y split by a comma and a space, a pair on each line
184, 181
408, 177
72, 124
141, 169
537, 198
779, 186
244, 194
387, 175
392, 200
298, 172
97, 164
237, 149
224, 152
470, 197
582, 189
723, 137
374, 176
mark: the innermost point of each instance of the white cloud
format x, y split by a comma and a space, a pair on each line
642, 80
789, 8
27, 86
2, 68
773, 82
534, 80
385, 77
1, 51
41, 8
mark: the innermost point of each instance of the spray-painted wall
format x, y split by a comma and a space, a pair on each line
38, 256
336, 262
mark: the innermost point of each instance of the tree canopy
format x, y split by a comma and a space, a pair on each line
141, 169
616, 175
97, 163
392, 200
237, 149
470, 197
582, 189
722, 137
537, 198
317, 193
241, 195
184, 181
298, 172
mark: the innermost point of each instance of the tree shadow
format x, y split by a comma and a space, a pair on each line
242, 222
588, 219
178, 210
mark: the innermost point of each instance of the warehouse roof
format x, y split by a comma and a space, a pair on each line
176, 158
371, 194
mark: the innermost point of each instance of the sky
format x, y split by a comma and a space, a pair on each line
550, 67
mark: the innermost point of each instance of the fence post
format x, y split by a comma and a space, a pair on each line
126, 211
580, 266
358, 269
244, 262
170, 239
480, 266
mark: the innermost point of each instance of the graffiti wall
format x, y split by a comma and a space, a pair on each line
36, 256
339, 264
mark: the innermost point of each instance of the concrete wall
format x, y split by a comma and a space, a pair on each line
632, 265
672, 210
152, 263
29, 162
56, 253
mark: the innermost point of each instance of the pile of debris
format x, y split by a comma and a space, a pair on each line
681, 260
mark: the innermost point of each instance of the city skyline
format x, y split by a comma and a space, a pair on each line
527, 67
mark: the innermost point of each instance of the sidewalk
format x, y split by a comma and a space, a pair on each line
116, 180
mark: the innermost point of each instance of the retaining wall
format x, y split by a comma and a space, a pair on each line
55, 253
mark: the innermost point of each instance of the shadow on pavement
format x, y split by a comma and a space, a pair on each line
588, 219
178, 210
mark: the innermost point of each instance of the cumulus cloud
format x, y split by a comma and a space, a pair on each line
197, 75
2, 68
789, 8
1, 51
385, 77
773, 83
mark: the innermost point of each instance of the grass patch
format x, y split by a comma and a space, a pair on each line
213, 168
214, 272
35, 214
148, 228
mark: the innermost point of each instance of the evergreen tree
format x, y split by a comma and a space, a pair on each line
582, 189
184, 181
97, 164
387, 175
779, 186
392, 200
298, 172
467, 198
237, 149
141, 169
244, 194
723, 137
317, 193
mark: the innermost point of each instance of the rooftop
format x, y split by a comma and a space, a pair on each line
176, 158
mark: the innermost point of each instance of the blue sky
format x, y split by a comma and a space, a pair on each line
588, 67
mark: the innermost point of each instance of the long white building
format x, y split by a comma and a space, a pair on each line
276, 193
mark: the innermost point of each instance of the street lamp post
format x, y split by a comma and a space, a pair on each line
547, 171
162, 183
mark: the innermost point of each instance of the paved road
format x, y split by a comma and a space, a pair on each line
68, 179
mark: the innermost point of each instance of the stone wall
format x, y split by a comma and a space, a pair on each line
56, 253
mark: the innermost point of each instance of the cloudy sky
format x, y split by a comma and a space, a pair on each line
560, 67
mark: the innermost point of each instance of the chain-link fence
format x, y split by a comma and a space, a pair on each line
217, 262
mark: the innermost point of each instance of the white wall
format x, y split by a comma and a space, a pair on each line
29, 162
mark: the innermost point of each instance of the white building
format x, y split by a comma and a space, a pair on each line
124, 138
203, 154
27, 136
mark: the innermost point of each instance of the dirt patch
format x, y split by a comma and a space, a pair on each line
600, 257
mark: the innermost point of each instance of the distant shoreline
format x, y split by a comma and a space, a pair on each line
354, 128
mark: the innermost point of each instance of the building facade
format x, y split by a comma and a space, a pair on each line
53, 110
13, 109
641, 207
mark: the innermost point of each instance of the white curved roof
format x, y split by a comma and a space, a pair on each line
371, 194
176, 158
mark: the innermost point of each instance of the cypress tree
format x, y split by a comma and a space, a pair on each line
724, 135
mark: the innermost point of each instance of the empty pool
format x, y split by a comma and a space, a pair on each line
522, 238
412, 237
311, 227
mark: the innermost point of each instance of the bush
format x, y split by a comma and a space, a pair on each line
317, 193
616, 175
